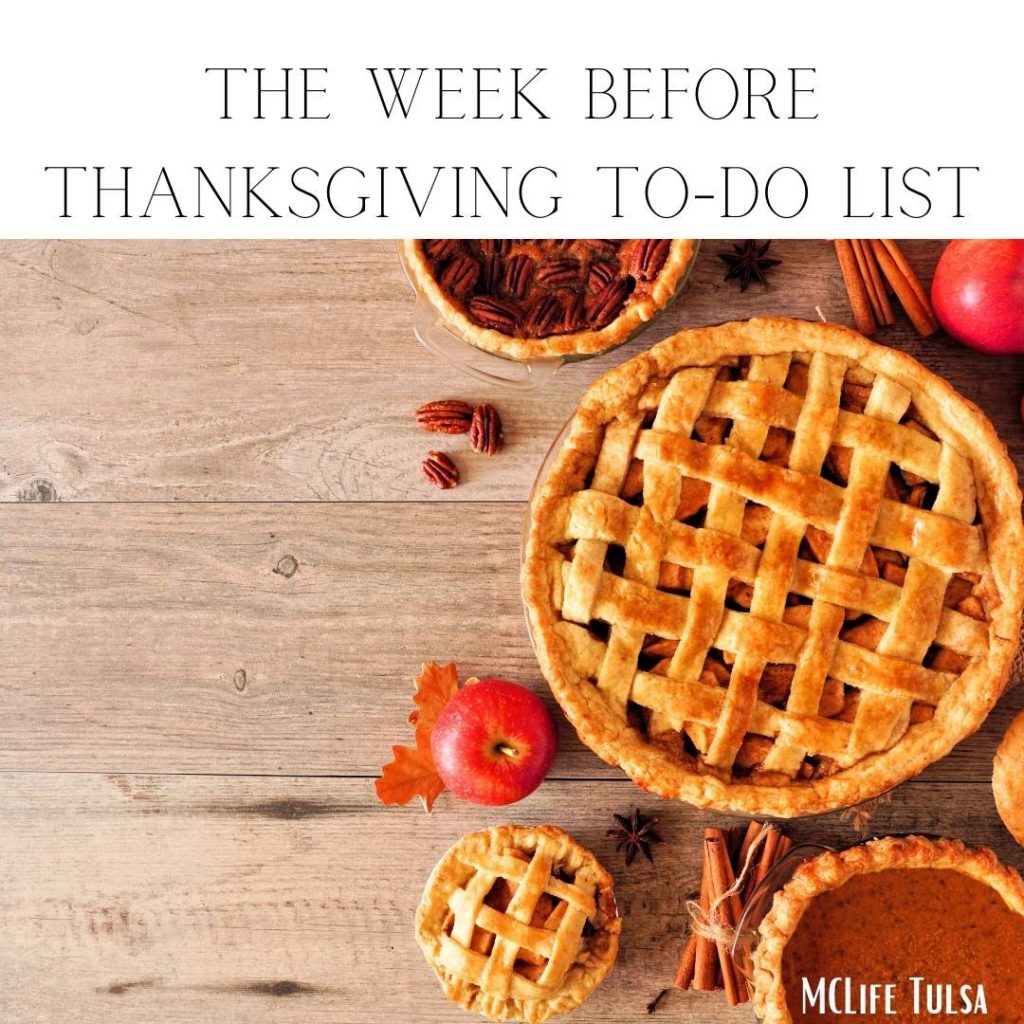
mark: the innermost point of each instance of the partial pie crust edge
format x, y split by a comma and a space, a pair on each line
831, 870
434, 907
1008, 779
634, 317
999, 501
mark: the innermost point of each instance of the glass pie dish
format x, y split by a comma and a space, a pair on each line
443, 326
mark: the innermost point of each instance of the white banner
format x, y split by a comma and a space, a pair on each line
258, 119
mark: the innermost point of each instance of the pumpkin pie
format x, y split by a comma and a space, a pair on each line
876, 917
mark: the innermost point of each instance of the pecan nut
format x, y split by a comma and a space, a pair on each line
603, 308
558, 273
495, 246
572, 319
447, 416
496, 313
544, 315
600, 275
441, 248
439, 469
486, 435
460, 276
649, 257
518, 271
491, 272
606, 247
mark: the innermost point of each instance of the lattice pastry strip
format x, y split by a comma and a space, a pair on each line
708, 594
914, 627
680, 405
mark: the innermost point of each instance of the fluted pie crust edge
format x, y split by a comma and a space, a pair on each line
831, 870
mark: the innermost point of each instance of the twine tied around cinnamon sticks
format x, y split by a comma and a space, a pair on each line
736, 861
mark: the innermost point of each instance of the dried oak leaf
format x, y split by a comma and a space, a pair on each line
411, 773
435, 686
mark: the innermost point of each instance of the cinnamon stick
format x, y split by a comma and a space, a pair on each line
754, 830
907, 287
855, 287
769, 857
705, 957
727, 913
687, 963
869, 285
907, 271
887, 318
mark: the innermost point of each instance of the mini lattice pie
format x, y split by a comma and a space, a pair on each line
528, 297
519, 923
775, 567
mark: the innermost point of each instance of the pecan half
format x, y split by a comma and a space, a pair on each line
440, 248
440, 470
493, 312
604, 246
518, 271
572, 319
460, 276
446, 416
558, 273
491, 272
544, 315
600, 275
485, 435
649, 257
495, 246
603, 308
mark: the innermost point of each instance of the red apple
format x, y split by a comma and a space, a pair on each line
978, 293
493, 742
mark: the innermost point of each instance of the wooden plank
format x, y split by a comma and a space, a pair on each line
232, 899
215, 370
277, 639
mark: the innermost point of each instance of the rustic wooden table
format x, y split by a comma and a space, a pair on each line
221, 571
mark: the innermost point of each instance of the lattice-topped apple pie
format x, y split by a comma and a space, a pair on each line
519, 923
775, 567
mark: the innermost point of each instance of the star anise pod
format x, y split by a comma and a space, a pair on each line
748, 262
635, 834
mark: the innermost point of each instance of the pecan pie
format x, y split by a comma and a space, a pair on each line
882, 914
519, 923
528, 298
775, 567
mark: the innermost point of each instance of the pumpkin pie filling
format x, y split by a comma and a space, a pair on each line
888, 927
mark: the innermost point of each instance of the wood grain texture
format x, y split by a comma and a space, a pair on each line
288, 371
254, 638
230, 899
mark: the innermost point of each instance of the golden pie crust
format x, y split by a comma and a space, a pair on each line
519, 923
831, 870
1008, 779
636, 314
800, 642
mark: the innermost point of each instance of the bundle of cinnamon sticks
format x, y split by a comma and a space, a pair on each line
872, 270
744, 853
